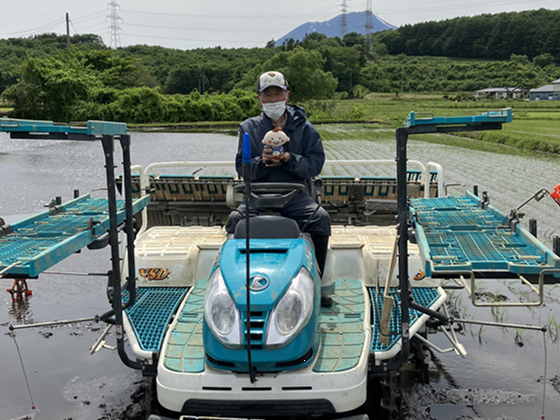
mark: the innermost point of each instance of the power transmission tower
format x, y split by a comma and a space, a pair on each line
369, 26
114, 28
343, 18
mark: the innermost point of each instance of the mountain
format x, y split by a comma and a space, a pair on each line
355, 22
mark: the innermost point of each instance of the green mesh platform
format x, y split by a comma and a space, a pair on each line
38, 242
185, 349
91, 207
424, 296
485, 121
457, 234
151, 313
442, 203
342, 327
481, 250
13, 249
55, 226
461, 219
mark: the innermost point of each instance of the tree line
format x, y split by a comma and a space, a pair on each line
101, 85
534, 33
41, 78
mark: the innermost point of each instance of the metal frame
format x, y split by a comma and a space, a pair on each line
115, 281
107, 132
538, 291
414, 164
33, 129
491, 120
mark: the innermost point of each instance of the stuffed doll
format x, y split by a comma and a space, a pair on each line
276, 139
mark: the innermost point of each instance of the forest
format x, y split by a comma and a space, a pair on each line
41, 78
534, 33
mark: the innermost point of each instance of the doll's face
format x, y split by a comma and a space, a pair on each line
275, 139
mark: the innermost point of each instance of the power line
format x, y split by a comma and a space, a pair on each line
96, 26
45, 27
425, 7
73, 27
213, 15
281, 26
270, 29
199, 29
183, 39
89, 17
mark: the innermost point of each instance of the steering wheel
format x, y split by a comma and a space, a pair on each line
271, 195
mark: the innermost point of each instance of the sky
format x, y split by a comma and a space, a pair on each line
190, 24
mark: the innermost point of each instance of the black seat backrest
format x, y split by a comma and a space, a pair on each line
268, 227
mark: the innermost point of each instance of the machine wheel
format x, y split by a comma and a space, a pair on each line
417, 367
418, 349
391, 397
152, 406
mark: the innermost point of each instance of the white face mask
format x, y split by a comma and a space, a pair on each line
274, 110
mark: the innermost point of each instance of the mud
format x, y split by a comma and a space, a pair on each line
136, 410
424, 398
556, 383
421, 399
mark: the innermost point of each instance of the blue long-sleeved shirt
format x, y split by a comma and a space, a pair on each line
306, 149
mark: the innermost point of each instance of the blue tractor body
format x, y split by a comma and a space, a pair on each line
275, 263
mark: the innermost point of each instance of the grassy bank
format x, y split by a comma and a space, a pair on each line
187, 127
535, 126
4, 109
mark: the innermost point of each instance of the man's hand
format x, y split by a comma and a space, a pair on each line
269, 160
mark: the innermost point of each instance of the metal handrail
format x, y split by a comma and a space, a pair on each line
442, 192
413, 164
144, 185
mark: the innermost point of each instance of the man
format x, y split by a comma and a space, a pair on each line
303, 159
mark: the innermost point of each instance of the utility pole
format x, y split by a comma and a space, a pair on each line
343, 18
67, 31
114, 27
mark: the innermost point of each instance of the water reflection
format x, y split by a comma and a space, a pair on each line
20, 311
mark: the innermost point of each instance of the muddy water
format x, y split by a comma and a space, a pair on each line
501, 378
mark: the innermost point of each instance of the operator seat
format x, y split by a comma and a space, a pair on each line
268, 227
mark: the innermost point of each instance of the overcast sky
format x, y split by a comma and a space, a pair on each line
189, 24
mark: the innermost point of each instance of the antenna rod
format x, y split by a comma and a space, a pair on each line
246, 160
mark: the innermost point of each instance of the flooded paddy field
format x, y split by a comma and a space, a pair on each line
502, 376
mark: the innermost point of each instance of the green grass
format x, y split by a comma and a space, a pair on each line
527, 134
353, 132
535, 127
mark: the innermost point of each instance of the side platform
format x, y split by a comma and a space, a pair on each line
465, 236
33, 245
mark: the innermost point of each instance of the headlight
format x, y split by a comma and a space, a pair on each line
292, 312
222, 317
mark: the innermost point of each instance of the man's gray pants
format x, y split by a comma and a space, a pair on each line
300, 208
